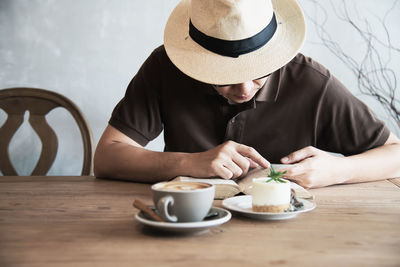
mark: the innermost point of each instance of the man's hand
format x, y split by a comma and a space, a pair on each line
314, 168
228, 160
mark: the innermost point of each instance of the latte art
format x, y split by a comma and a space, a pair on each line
182, 186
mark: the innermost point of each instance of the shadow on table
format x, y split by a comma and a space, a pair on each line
158, 233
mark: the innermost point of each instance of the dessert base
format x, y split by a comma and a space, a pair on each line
271, 208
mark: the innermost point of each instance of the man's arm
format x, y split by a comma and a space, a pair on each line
316, 168
118, 156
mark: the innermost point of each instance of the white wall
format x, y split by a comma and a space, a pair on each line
88, 50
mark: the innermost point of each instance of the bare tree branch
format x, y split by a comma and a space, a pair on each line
374, 76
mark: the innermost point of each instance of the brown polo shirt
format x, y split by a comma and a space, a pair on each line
300, 105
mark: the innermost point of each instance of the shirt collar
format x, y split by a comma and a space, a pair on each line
269, 91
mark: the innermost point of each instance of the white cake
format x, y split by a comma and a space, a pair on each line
270, 196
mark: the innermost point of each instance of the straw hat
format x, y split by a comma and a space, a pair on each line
233, 41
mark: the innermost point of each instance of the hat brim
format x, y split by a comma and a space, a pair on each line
205, 66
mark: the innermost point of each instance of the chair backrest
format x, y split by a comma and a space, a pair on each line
39, 102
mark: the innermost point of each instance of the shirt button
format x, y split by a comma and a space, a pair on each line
233, 120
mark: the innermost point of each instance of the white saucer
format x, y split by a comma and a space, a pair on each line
243, 205
186, 227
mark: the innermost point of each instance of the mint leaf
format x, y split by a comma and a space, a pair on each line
276, 176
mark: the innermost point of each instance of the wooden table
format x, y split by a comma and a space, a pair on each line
79, 221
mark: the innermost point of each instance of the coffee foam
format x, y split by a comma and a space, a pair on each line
182, 186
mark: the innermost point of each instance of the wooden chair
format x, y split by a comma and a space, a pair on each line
39, 102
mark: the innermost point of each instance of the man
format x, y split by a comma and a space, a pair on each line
231, 92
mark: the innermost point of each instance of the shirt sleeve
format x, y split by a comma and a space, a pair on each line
137, 115
345, 124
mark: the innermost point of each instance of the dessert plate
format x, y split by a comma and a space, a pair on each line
222, 216
243, 205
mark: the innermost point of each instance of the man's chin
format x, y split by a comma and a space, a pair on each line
239, 100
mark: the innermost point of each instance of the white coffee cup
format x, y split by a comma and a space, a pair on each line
183, 201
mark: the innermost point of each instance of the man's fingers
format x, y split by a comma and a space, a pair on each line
224, 172
232, 160
242, 162
234, 169
252, 163
293, 171
299, 155
253, 155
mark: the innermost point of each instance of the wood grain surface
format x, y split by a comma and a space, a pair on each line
396, 181
83, 221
